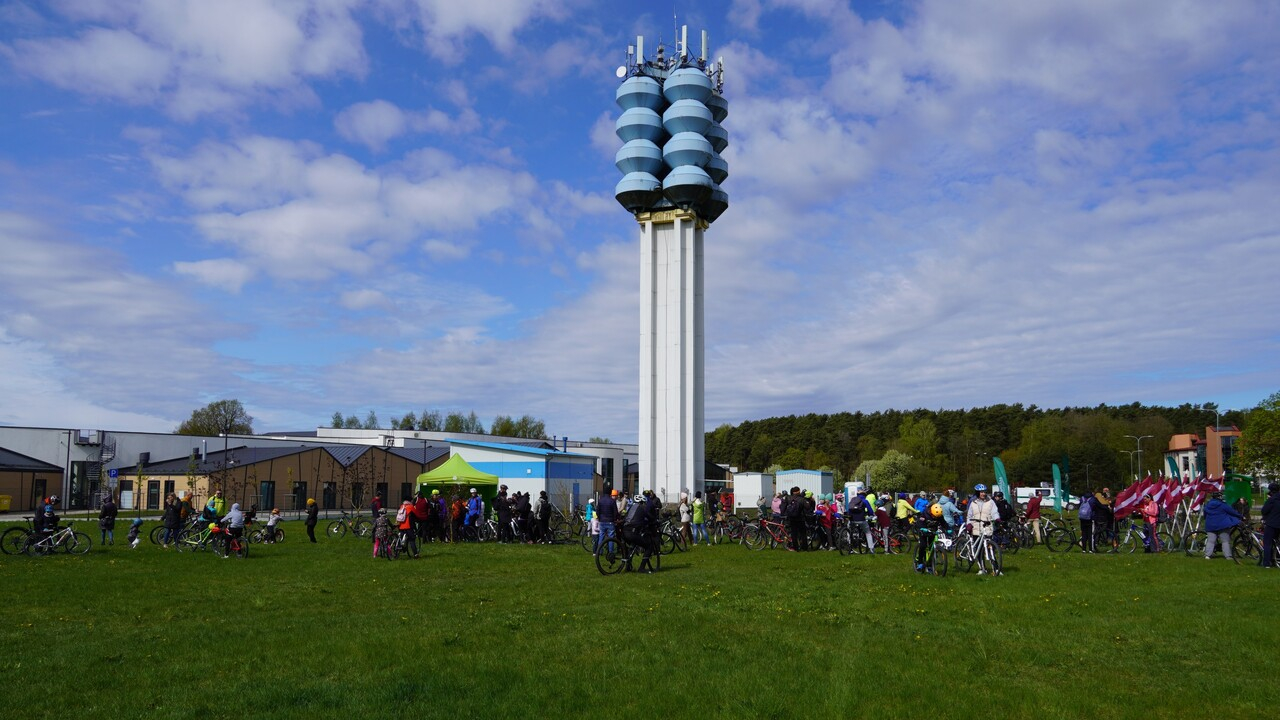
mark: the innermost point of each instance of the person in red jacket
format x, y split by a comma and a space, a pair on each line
407, 538
420, 514
1033, 515
884, 522
827, 519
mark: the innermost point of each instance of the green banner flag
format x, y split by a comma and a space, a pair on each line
1002, 477
1173, 468
1057, 489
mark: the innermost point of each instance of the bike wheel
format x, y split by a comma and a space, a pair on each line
898, 543
844, 543
1165, 539
240, 548
755, 538
279, 536
1244, 546
14, 541
964, 553
938, 562
363, 528
1128, 544
666, 544
1193, 542
588, 541
997, 558
1060, 540
611, 559
157, 533
78, 544
336, 529
1010, 544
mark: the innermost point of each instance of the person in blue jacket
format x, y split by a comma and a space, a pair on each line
475, 509
950, 513
1219, 518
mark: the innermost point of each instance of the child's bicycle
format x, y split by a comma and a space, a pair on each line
393, 547
265, 534
64, 538
228, 546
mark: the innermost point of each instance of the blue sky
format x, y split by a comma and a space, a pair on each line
392, 205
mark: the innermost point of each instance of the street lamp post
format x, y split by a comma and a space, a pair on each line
1130, 453
1139, 439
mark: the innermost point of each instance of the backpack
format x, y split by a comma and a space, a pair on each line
1086, 509
402, 514
633, 515
1164, 514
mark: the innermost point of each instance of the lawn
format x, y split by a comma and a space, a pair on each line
302, 630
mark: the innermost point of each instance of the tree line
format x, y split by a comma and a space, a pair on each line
524, 426
929, 449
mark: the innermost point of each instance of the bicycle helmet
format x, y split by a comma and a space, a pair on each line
979, 488
935, 510
213, 527
136, 522
53, 499
638, 498
998, 494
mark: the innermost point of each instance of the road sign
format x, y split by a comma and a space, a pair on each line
113, 473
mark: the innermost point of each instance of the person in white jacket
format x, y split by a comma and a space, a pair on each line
982, 517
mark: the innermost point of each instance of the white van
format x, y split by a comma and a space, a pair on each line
1023, 494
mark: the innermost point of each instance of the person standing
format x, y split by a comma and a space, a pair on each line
313, 517
1219, 518
217, 506
607, 517
775, 507
404, 518
698, 516
502, 508
1270, 525
107, 520
983, 515
421, 517
856, 514
171, 520
375, 507
1085, 515
1033, 515
884, 522
1151, 516
686, 518
794, 511
1104, 519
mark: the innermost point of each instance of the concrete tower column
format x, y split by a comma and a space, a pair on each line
672, 342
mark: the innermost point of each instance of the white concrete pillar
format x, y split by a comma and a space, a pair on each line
672, 341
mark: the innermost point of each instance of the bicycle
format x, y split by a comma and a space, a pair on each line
14, 540
261, 535
935, 560
978, 549
194, 539
617, 555
65, 538
766, 532
356, 524
237, 546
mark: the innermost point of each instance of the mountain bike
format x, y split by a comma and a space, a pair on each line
935, 559
14, 540
194, 539
765, 533
64, 538
851, 539
975, 548
617, 555
356, 524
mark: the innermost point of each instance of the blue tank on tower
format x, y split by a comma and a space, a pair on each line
673, 140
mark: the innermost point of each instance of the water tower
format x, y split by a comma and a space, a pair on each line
672, 107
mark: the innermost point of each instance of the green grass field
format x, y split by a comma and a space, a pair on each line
302, 630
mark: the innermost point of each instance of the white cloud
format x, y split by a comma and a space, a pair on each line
294, 213
375, 123
446, 24
365, 299
110, 339
223, 273
196, 57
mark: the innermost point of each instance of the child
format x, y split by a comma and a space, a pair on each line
381, 531
272, 522
134, 529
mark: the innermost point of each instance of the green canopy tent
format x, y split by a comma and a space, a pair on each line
458, 473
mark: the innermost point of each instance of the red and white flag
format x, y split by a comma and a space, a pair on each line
1129, 498
1173, 497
